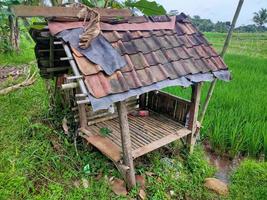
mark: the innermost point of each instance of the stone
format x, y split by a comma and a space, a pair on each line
217, 186
118, 187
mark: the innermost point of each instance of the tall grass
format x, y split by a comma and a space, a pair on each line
236, 120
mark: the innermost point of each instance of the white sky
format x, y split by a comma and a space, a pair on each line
216, 10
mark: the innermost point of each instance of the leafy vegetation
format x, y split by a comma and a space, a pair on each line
38, 161
236, 119
249, 181
144, 6
206, 25
260, 18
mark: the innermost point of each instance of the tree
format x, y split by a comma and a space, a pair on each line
260, 18
205, 25
146, 7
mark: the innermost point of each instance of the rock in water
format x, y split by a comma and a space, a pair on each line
217, 186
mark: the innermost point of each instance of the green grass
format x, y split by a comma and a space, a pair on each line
249, 181
236, 118
25, 56
37, 161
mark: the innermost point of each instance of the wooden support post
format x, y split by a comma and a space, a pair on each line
82, 115
193, 114
126, 144
51, 52
14, 32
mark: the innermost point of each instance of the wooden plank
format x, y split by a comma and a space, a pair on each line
82, 115
175, 97
161, 142
41, 11
106, 146
112, 136
116, 131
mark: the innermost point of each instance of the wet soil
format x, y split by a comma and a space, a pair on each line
223, 163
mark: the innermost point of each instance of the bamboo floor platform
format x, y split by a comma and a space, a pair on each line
147, 134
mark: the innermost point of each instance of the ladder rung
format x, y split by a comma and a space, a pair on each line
58, 42
83, 101
73, 77
65, 58
80, 95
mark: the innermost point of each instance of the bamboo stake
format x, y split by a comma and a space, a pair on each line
225, 47
126, 144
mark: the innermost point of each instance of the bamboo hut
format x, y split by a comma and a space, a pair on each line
120, 73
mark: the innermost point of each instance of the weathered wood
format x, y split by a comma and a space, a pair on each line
195, 100
51, 51
105, 146
161, 142
143, 130
142, 101
102, 119
103, 115
14, 32
67, 86
122, 169
42, 11
82, 115
169, 105
126, 144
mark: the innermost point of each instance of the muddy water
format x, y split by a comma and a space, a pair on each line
224, 164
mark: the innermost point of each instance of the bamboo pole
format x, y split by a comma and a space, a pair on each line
195, 99
225, 47
126, 144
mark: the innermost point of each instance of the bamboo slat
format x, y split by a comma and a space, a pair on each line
146, 133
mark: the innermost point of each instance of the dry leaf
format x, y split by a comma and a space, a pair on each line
150, 174
76, 183
140, 180
99, 176
172, 193
118, 187
65, 126
142, 194
159, 179
85, 183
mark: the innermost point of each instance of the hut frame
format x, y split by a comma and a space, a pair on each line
175, 117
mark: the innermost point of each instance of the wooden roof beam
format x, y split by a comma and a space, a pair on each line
41, 11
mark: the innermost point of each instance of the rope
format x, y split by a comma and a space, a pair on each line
91, 28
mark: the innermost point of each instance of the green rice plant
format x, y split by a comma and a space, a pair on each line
249, 181
236, 119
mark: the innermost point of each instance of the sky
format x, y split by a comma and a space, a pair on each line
216, 10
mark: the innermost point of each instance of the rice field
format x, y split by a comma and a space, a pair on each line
236, 120
38, 161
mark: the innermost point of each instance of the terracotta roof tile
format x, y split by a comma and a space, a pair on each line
152, 56
86, 66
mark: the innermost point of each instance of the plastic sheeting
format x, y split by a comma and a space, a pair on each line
107, 101
99, 52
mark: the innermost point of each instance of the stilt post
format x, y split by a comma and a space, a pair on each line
193, 115
126, 144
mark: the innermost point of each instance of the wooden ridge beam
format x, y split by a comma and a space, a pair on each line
42, 11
